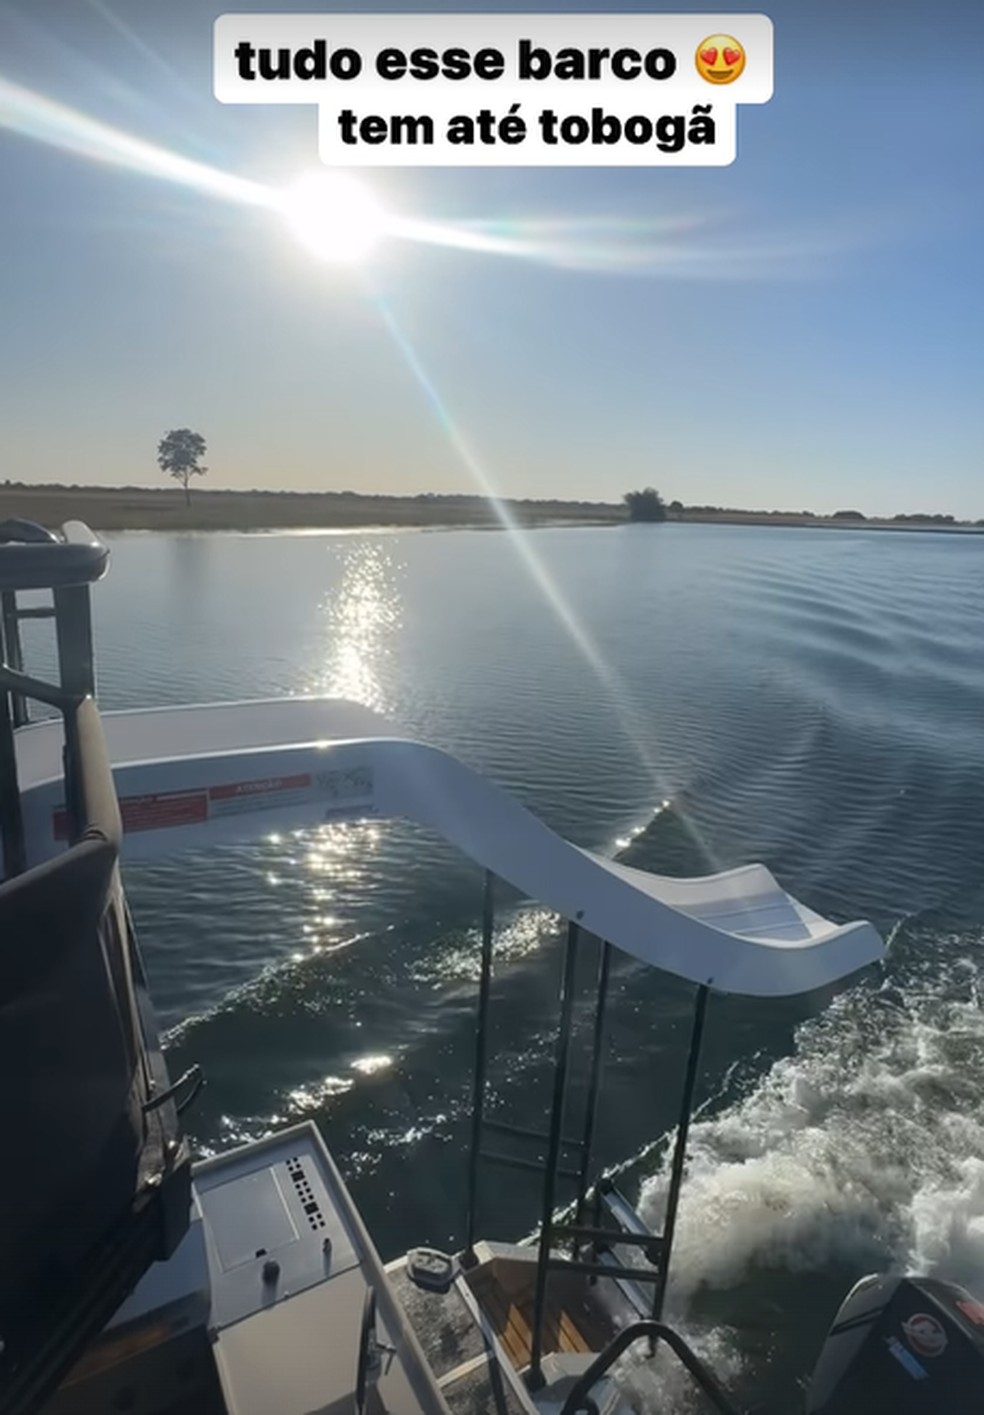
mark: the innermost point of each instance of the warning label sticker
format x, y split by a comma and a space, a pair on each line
239, 797
339, 791
170, 809
154, 812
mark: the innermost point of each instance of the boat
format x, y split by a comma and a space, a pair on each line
133, 1278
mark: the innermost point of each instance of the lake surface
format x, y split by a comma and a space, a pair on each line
691, 698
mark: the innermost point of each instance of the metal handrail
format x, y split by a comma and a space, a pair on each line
579, 1394
368, 1351
12, 680
371, 1353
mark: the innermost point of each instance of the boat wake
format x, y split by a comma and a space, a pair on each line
864, 1148
860, 1151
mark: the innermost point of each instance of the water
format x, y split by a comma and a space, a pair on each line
692, 698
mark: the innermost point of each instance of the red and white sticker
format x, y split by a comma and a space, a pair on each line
925, 1334
340, 790
158, 812
153, 812
972, 1310
240, 797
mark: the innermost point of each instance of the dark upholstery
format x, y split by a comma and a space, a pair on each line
71, 1078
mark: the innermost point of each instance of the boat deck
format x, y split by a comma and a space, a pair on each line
456, 1348
477, 1337
512, 1319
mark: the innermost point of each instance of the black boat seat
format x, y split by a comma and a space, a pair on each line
86, 1157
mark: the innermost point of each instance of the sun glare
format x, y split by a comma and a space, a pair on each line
336, 217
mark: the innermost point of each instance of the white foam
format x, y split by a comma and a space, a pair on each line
865, 1146
948, 1225
663, 1384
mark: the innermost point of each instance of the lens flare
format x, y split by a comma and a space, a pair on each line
339, 218
626, 712
34, 116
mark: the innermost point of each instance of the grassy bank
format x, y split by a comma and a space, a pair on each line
137, 508
163, 509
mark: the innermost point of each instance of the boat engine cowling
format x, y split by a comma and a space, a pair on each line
902, 1346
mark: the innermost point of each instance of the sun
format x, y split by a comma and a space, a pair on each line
335, 216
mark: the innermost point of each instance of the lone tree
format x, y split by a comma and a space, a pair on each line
178, 454
646, 505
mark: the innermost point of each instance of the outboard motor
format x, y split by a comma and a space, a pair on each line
902, 1346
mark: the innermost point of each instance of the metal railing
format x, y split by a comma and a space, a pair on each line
579, 1397
556, 1165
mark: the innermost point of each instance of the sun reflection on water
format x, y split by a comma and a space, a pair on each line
336, 855
360, 622
456, 958
370, 1065
315, 1096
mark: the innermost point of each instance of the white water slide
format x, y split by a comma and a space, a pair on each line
190, 776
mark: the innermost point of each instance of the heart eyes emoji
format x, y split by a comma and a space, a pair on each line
720, 59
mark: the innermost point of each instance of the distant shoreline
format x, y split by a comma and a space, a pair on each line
163, 509
150, 509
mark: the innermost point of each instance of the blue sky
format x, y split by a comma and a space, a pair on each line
808, 334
